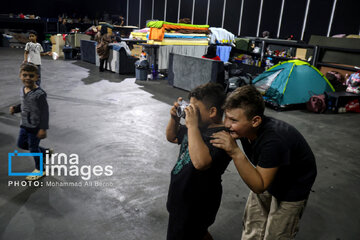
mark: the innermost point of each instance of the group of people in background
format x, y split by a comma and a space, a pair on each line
64, 21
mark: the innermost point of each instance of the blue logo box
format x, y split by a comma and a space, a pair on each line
15, 153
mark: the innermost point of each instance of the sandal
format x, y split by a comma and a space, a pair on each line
34, 178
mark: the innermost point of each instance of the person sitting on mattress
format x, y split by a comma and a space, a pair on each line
211, 53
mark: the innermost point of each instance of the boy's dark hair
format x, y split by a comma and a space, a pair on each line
211, 94
247, 98
29, 67
33, 32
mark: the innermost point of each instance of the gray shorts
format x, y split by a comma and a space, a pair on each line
267, 218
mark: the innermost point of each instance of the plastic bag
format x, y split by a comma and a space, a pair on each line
54, 55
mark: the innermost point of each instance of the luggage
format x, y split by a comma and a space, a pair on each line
353, 83
336, 80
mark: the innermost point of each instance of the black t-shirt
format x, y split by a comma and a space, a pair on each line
278, 144
195, 195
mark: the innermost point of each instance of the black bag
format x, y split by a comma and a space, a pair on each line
336, 80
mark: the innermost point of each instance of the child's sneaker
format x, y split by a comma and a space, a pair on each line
34, 178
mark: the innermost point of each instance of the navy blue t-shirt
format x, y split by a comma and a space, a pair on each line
278, 144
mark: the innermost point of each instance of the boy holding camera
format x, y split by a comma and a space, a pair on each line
195, 188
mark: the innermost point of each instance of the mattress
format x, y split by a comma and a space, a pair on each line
167, 41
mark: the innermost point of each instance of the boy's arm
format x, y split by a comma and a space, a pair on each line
15, 109
198, 150
44, 117
26, 53
46, 53
257, 178
42, 53
173, 124
172, 129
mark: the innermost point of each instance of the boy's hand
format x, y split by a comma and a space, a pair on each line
224, 141
192, 116
49, 53
41, 134
173, 110
12, 110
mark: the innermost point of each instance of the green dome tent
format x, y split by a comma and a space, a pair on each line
291, 82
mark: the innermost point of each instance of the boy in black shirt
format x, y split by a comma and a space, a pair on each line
280, 171
195, 188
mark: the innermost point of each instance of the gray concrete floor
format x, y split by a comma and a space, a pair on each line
108, 119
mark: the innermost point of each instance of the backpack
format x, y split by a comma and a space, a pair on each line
353, 83
336, 80
316, 103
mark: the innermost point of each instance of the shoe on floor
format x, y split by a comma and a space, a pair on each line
34, 178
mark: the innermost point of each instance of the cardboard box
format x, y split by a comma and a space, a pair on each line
136, 51
301, 53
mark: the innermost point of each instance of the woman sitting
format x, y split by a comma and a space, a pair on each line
211, 53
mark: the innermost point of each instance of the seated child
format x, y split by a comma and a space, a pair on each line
211, 53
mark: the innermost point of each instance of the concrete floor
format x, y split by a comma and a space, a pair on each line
108, 119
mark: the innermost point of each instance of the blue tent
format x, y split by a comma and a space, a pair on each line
291, 82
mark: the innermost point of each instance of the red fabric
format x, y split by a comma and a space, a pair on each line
353, 106
217, 58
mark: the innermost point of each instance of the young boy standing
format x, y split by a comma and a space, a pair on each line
195, 189
34, 115
33, 53
279, 166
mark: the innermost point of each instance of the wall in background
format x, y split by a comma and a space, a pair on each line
297, 19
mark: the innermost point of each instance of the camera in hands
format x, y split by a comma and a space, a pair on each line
180, 111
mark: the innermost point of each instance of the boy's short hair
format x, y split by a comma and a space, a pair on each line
29, 67
33, 32
247, 98
211, 94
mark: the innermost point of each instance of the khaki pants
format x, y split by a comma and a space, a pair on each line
266, 218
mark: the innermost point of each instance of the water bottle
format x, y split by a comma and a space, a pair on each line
153, 71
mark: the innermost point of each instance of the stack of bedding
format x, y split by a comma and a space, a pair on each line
166, 33
140, 34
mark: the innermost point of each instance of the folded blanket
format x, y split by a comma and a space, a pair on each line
180, 42
192, 31
138, 35
159, 24
222, 36
157, 28
143, 30
157, 34
191, 36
